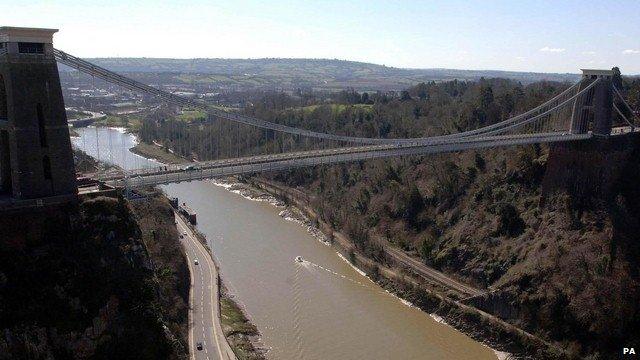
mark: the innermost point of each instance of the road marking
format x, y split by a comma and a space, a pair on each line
210, 264
190, 320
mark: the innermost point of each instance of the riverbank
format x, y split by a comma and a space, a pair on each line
257, 250
241, 334
502, 338
158, 153
507, 340
251, 351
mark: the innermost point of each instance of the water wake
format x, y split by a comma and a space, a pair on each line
309, 264
297, 329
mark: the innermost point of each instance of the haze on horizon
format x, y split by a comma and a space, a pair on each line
539, 36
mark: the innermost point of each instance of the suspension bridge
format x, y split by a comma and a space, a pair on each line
577, 113
584, 110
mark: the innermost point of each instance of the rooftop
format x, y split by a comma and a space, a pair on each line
22, 34
597, 72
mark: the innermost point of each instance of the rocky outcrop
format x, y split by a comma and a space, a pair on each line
78, 283
589, 170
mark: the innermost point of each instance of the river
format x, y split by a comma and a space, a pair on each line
321, 309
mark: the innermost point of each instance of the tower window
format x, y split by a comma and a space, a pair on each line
41, 129
30, 48
46, 167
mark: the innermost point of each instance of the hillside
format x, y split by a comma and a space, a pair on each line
305, 73
550, 231
100, 281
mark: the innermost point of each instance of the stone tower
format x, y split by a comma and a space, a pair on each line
593, 110
36, 160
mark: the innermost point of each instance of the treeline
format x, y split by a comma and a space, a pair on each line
563, 264
424, 110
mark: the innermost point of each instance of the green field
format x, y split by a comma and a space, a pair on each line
192, 115
325, 74
132, 122
335, 108
73, 114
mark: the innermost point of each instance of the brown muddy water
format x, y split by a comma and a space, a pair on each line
321, 308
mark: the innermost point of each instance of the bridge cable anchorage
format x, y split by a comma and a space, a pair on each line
130, 84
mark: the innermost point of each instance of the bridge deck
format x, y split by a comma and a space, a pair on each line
279, 162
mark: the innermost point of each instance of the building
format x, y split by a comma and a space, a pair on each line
36, 159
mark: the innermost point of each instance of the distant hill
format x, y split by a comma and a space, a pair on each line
315, 73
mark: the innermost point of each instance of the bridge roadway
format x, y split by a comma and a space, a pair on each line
285, 161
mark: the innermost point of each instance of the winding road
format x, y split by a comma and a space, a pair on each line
204, 305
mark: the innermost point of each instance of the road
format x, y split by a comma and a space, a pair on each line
204, 307
431, 274
419, 268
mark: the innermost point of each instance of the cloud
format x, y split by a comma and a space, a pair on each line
631, 51
588, 53
552, 50
520, 58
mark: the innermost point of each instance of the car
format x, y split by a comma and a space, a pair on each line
196, 261
181, 237
199, 346
184, 233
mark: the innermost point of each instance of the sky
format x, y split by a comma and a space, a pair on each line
540, 36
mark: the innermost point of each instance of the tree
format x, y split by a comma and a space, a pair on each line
617, 77
427, 245
479, 162
413, 205
421, 91
507, 103
510, 222
365, 98
486, 97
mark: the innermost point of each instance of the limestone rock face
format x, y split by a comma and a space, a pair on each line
589, 170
